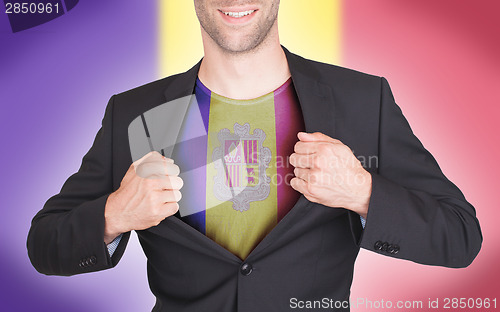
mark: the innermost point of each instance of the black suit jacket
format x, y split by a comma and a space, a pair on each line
415, 212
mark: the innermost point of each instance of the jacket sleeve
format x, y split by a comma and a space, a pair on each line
67, 236
415, 212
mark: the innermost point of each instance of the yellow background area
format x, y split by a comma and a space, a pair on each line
308, 28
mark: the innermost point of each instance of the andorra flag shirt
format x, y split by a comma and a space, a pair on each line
237, 176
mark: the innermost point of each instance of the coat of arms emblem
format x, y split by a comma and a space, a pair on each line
241, 161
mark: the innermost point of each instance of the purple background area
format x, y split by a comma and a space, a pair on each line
55, 81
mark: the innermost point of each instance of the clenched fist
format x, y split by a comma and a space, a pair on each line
327, 172
148, 193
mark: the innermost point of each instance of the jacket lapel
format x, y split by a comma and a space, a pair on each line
315, 98
182, 84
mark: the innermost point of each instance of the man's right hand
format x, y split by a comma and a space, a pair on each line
148, 193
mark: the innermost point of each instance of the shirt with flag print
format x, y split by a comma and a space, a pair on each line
234, 160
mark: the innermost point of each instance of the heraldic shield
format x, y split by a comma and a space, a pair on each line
241, 161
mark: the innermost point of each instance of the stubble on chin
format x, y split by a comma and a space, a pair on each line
250, 43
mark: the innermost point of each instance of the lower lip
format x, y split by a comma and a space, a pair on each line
237, 20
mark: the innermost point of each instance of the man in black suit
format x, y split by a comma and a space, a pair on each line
412, 211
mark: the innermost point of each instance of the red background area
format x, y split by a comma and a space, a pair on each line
441, 59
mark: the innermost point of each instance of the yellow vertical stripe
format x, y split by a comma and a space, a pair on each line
309, 28
240, 231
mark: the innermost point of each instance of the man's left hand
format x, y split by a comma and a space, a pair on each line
327, 172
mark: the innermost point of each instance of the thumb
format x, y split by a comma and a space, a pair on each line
146, 156
152, 156
316, 137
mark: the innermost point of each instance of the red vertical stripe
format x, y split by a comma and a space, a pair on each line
246, 150
254, 155
250, 151
231, 176
289, 121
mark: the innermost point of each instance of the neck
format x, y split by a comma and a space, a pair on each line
244, 75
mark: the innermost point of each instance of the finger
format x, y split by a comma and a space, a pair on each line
132, 170
170, 208
301, 173
143, 158
301, 186
298, 184
304, 147
152, 156
157, 169
172, 169
310, 176
129, 175
302, 161
170, 196
172, 183
157, 157
317, 137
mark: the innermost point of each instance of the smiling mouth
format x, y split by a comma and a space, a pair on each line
239, 14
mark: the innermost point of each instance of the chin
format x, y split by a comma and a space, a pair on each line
238, 45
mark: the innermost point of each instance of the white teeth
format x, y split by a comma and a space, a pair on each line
239, 14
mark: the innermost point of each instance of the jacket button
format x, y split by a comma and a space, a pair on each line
83, 264
384, 246
246, 269
378, 245
93, 260
396, 249
390, 248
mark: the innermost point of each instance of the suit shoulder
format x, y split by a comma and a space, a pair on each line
340, 75
148, 89
130, 104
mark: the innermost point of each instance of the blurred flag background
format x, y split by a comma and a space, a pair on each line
440, 57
